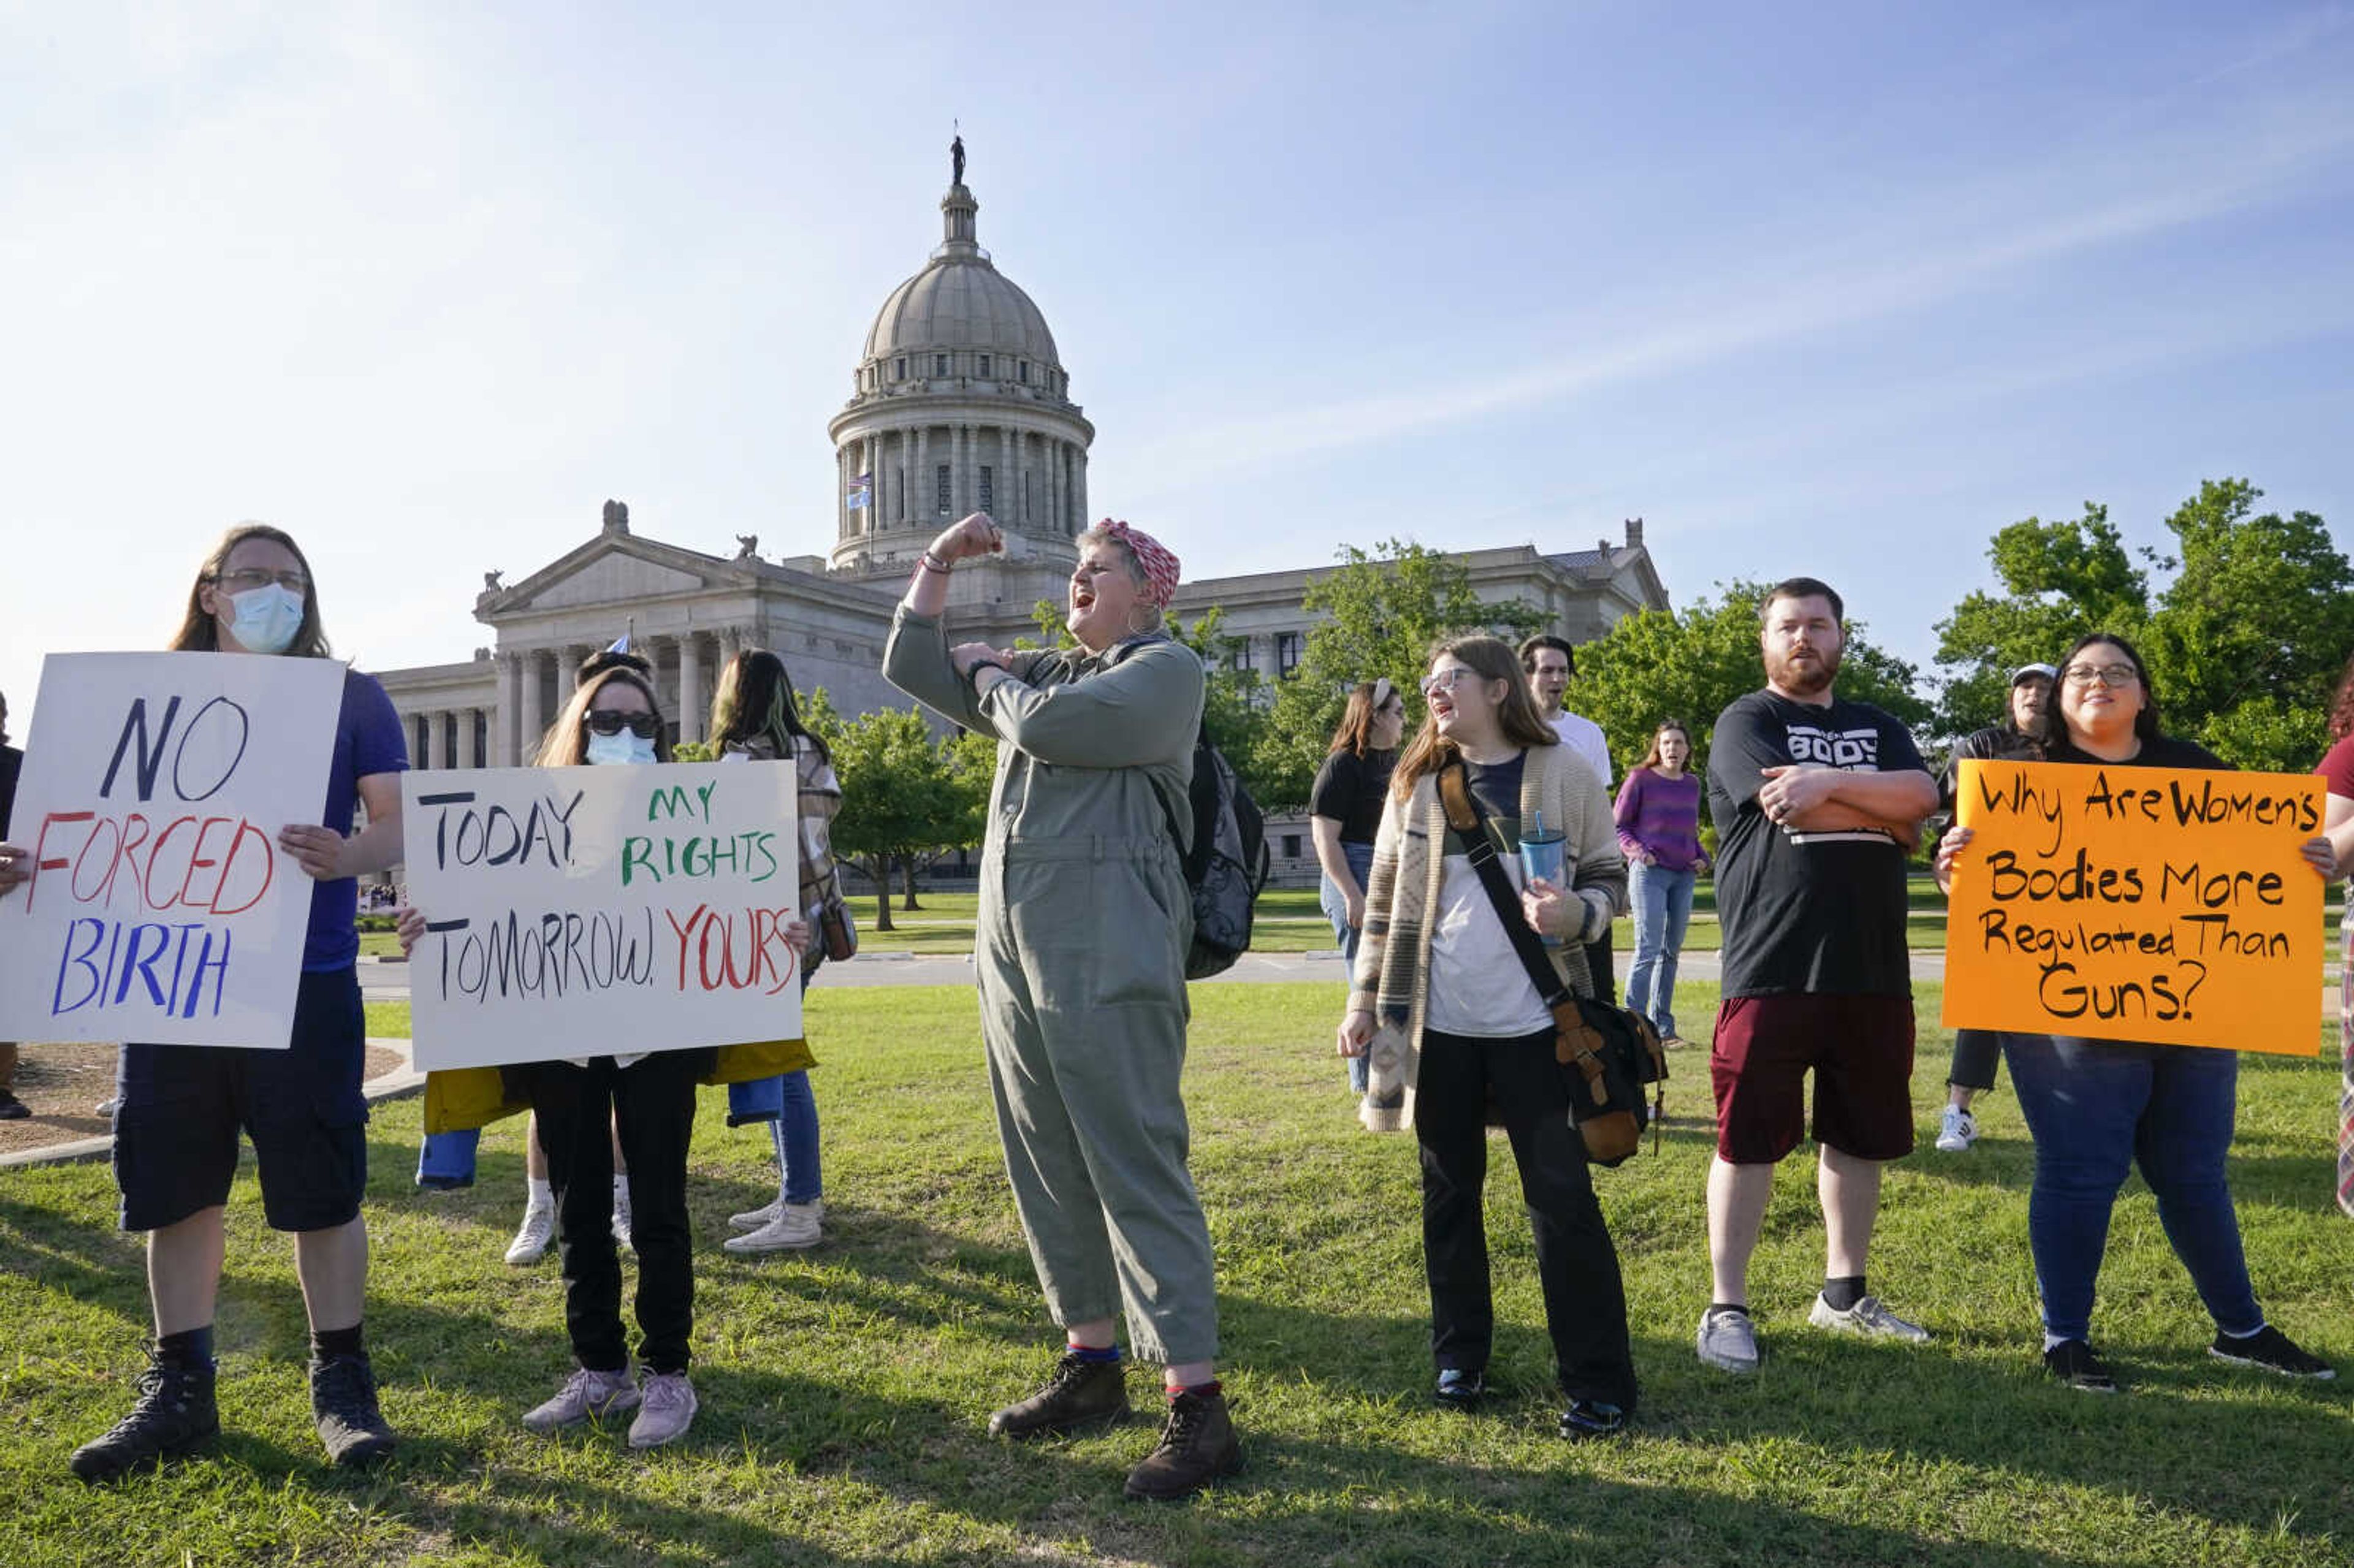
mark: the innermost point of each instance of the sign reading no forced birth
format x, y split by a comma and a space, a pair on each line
2153, 904
597, 911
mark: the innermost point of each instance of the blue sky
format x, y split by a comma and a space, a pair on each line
1839, 289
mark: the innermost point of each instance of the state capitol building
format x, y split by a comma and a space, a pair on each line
960, 403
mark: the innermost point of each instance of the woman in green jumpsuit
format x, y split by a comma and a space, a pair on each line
1080, 956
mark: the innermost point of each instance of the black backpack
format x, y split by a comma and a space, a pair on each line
1227, 864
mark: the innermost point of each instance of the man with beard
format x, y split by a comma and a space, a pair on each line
1815, 802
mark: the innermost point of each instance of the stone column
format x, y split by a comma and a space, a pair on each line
920, 480
1049, 451
689, 688
1079, 516
731, 643
467, 756
960, 482
531, 715
502, 716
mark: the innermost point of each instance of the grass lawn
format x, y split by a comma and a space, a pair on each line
845, 1389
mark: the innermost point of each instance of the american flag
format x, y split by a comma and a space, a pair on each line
862, 490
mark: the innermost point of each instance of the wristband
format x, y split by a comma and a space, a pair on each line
930, 562
973, 677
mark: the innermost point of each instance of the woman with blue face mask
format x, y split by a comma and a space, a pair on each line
182, 1107
648, 1101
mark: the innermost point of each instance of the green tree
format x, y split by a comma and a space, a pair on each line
2248, 638
1689, 664
2244, 639
2058, 580
907, 798
1381, 610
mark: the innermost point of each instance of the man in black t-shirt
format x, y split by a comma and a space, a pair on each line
1817, 803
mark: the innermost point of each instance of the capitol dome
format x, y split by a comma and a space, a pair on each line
959, 404
962, 302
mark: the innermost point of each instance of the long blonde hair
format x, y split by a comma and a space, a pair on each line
566, 743
1491, 658
199, 632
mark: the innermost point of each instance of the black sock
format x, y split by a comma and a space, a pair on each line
328, 1343
1715, 1306
1840, 1295
188, 1347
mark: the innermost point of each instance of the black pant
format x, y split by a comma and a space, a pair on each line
1585, 1303
1977, 1052
651, 1102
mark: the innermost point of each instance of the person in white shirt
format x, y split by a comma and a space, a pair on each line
1549, 662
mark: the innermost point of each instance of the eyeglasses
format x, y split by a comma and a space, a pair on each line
1447, 680
606, 721
246, 578
2107, 674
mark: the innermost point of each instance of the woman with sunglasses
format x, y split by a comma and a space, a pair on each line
648, 1100
755, 717
1344, 811
2098, 1109
180, 1108
1462, 1025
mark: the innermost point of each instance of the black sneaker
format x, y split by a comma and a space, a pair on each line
2073, 1364
1197, 1445
342, 1399
174, 1414
1587, 1418
11, 1109
1081, 1394
1459, 1388
2273, 1352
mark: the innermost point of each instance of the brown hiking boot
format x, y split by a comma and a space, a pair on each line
1080, 1394
1197, 1447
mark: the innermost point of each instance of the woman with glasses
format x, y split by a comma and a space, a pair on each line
1456, 1025
180, 1108
647, 1101
1657, 816
753, 717
1344, 811
2099, 1109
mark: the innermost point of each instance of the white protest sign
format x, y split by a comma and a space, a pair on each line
595, 911
161, 908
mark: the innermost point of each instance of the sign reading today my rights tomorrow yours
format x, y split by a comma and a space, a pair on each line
2151, 904
161, 908
599, 911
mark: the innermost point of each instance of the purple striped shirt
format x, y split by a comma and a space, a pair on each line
1661, 815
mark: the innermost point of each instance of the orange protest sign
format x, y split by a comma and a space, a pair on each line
2155, 903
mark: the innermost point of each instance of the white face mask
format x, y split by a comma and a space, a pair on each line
605, 749
267, 618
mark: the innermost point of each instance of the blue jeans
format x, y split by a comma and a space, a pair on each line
1336, 909
787, 1105
1662, 901
2096, 1109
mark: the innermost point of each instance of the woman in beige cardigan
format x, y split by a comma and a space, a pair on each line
1454, 1025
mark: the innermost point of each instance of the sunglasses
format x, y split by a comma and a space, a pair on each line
605, 721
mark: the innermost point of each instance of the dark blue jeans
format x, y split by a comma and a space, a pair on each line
2096, 1109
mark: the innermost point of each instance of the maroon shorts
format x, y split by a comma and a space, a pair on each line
1860, 1048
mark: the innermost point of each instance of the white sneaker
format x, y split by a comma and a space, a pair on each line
795, 1225
531, 1237
1728, 1340
765, 1215
669, 1406
754, 1219
621, 1213
1867, 1318
1957, 1131
585, 1395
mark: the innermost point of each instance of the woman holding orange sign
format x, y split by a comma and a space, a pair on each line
2099, 1107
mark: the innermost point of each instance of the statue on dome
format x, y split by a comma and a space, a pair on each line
956, 159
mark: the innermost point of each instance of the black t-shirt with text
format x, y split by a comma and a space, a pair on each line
1805, 912
2161, 751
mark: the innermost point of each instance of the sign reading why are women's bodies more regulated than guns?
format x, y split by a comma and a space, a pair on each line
601, 911
2149, 904
161, 907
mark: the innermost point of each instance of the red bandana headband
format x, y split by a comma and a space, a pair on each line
1160, 566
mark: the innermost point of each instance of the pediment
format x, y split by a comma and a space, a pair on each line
611, 577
